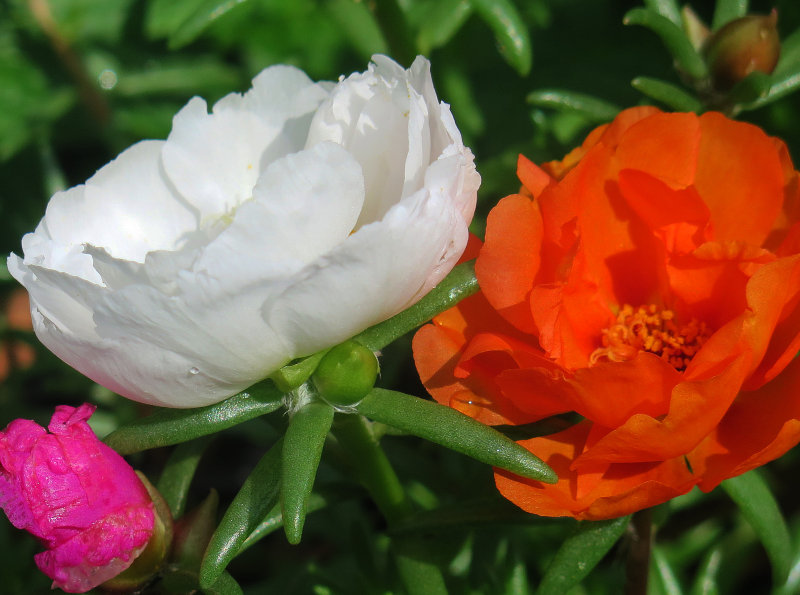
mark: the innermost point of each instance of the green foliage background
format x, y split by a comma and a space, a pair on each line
80, 80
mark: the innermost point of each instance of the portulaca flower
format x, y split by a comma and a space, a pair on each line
285, 221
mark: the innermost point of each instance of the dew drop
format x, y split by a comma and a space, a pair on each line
194, 371
468, 404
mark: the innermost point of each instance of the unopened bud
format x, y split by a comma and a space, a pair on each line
346, 374
155, 553
744, 45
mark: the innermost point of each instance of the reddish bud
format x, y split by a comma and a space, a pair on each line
744, 45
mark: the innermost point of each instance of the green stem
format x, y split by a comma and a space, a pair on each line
419, 575
459, 284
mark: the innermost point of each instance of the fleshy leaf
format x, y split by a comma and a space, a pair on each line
662, 575
318, 500
670, 95
453, 430
444, 20
706, 581
468, 515
178, 473
673, 37
171, 426
509, 30
203, 15
666, 8
258, 494
224, 585
757, 504
580, 553
727, 10
594, 109
784, 84
302, 449
459, 284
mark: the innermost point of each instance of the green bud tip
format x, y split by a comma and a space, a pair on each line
346, 374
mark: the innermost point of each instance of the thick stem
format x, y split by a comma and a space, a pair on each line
420, 576
637, 568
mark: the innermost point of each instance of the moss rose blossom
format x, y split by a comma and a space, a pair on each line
650, 282
76, 495
285, 221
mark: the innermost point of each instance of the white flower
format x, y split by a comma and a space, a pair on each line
289, 219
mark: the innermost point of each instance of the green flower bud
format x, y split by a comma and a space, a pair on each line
744, 45
346, 374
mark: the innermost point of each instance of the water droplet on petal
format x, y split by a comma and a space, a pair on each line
468, 403
194, 371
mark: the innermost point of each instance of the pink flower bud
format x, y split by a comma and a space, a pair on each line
76, 495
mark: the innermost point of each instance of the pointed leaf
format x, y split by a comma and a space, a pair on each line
193, 533
670, 95
727, 10
293, 375
258, 494
225, 585
706, 575
753, 87
580, 553
789, 60
460, 283
467, 515
758, 506
317, 501
302, 449
662, 574
666, 8
444, 20
178, 473
788, 82
359, 26
171, 426
163, 17
453, 430
673, 37
509, 30
596, 110
204, 14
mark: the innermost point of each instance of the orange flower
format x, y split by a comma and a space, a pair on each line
650, 282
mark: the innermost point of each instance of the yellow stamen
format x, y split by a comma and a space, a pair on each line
649, 328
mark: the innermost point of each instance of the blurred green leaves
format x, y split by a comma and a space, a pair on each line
758, 506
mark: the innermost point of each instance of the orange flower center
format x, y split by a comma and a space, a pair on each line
649, 328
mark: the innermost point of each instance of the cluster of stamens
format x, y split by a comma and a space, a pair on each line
649, 328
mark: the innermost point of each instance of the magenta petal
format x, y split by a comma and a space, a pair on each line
78, 496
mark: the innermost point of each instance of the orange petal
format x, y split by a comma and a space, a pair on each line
759, 427
710, 283
608, 393
621, 490
510, 257
664, 146
738, 165
679, 217
695, 409
534, 178
781, 280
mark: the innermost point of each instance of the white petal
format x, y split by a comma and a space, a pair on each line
378, 271
304, 204
214, 159
115, 209
279, 93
